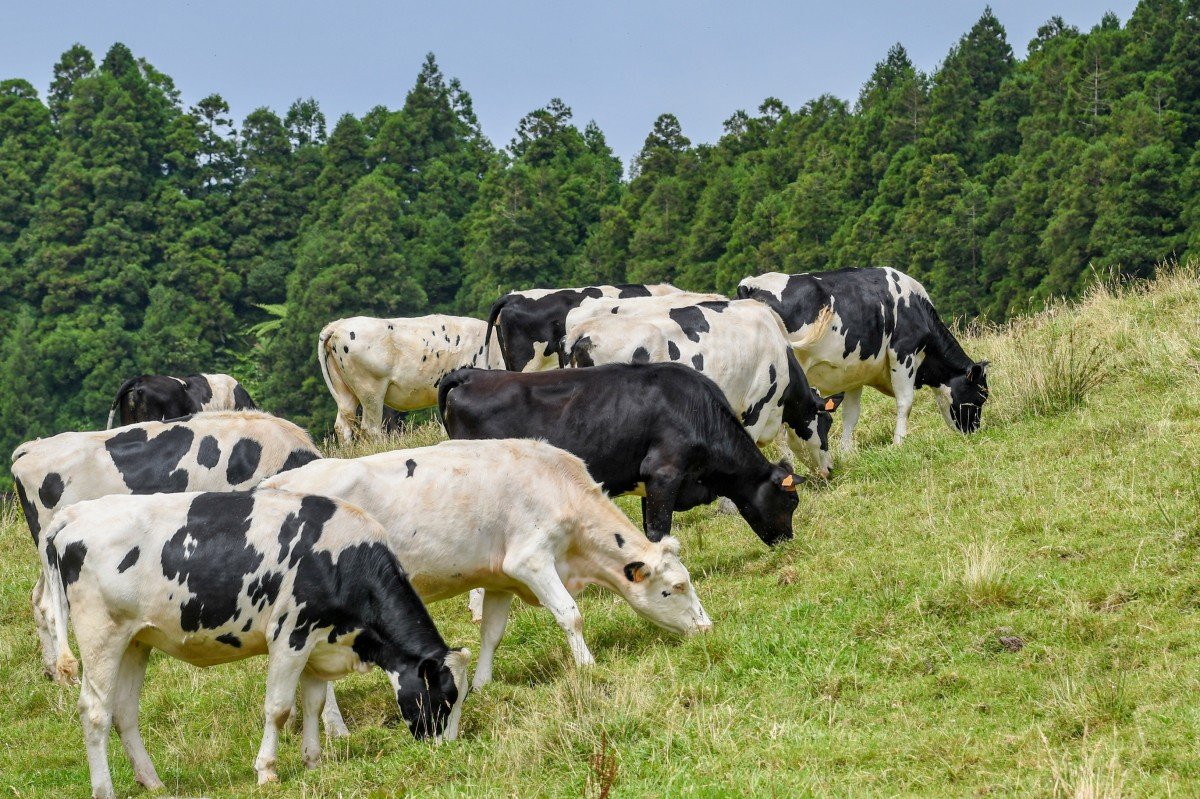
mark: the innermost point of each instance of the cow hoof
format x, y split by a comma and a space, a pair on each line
336, 728
150, 782
267, 776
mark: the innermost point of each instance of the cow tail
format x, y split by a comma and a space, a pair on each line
445, 386
122, 392
494, 314
66, 667
329, 368
817, 330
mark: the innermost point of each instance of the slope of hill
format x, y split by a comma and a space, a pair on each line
1013, 614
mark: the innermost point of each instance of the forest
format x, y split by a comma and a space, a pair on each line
140, 236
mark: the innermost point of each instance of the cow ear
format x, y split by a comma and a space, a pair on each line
636, 572
832, 403
977, 371
789, 483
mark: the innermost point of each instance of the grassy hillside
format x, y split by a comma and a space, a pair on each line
1013, 614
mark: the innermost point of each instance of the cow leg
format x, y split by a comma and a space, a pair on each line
335, 725
537, 572
284, 667
658, 507
102, 648
475, 605
125, 713
496, 605
902, 387
372, 412
312, 699
851, 408
43, 619
343, 425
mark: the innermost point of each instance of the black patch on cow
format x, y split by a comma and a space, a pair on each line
52, 490
345, 348
620, 540
302, 529
211, 557
352, 335
614, 309
628, 290
698, 362
673, 350
210, 452
71, 562
199, 389
249, 623
690, 320
151, 466
31, 513
230, 639
411, 465
717, 306
751, 414
243, 461
298, 458
131, 557
279, 626
264, 589
241, 399
641, 355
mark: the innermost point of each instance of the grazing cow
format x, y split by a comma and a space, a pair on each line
530, 324
740, 344
543, 532
663, 431
156, 398
396, 363
885, 334
211, 578
219, 451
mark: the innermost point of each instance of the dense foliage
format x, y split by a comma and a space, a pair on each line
137, 235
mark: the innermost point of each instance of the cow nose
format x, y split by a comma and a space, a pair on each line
704, 626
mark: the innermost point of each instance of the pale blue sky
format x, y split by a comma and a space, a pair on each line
621, 63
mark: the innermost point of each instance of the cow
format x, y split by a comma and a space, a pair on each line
396, 363
215, 451
885, 334
664, 431
516, 518
211, 578
156, 398
740, 344
530, 324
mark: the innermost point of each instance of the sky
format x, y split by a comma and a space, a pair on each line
620, 63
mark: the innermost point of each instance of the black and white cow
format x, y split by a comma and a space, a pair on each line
885, 334
539, 528
219, 451
210, 578
740, 344
664, 431
530, 324
394, 363
155, 398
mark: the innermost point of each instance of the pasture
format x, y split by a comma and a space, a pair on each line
1011, 614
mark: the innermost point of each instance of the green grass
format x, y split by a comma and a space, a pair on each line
1014, 614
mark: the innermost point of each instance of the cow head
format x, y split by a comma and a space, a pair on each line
961, 400
769, 507
430, 694
808, 431
659, 587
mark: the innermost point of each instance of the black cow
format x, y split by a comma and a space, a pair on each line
530, 324
156, 398
662, 430
885, 333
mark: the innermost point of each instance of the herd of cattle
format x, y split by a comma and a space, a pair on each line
215, 532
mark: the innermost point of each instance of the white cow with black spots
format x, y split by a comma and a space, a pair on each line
740, 344
517, 518
211, 578
396, 363
221, 451
885, 333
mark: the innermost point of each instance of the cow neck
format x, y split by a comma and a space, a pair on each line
944, 356
401, 626
736, 474
600, 559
